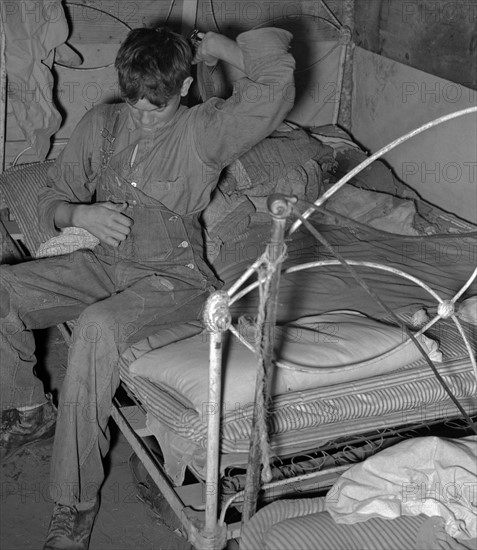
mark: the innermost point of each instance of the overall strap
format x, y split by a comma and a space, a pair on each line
108, 133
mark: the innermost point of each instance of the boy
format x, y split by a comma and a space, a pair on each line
136, 175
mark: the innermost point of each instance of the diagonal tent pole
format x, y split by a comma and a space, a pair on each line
3, 95
280, 208
346, 98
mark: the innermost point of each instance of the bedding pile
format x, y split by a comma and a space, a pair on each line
172, 386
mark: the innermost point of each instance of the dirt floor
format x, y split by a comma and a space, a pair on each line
123, 522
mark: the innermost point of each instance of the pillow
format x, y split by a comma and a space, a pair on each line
336, 347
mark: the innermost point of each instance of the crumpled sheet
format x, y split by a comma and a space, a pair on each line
69, 240
33, 30
429, 475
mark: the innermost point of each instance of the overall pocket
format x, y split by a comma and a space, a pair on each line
170, 192
149, 239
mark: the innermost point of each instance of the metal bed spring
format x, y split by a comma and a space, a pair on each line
212, 533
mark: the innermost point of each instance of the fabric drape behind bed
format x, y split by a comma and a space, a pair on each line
444, 262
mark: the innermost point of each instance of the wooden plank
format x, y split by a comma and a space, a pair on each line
438, 38
136, 419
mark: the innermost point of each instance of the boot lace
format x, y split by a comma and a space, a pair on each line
62, 521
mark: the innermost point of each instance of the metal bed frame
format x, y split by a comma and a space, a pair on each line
207, 529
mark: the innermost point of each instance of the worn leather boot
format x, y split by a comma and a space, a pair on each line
71, 526
20, 428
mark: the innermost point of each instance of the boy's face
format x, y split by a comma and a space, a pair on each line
148, 115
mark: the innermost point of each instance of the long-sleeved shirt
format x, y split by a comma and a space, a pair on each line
179, 163
175, 165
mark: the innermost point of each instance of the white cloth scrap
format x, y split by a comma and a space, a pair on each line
428, 475
70, 239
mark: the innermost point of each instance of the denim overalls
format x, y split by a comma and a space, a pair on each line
158, 236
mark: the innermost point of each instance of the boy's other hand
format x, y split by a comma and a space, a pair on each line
214, 47
105, 220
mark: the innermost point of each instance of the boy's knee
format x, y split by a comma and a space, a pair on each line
95, 323
90, 326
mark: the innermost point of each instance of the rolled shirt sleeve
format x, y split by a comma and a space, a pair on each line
71, 178
259, 103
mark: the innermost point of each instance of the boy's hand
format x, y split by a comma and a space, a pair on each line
105, 220
204, 47
214, 47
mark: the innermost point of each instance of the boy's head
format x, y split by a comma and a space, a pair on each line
153, 65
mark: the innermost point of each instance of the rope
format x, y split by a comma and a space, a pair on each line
264, 273
262, 377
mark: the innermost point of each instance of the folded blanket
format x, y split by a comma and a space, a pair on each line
276, 162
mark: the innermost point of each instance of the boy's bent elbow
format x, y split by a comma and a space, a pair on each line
281, 102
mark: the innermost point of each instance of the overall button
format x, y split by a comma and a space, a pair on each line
134, 202
184, 244
134, 184
173, 218
190, 266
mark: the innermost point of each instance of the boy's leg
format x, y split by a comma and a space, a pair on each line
103, 330
37, 294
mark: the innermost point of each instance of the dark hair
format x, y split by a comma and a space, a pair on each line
152, 64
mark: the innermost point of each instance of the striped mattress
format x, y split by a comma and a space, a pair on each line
303, 421
304, 524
